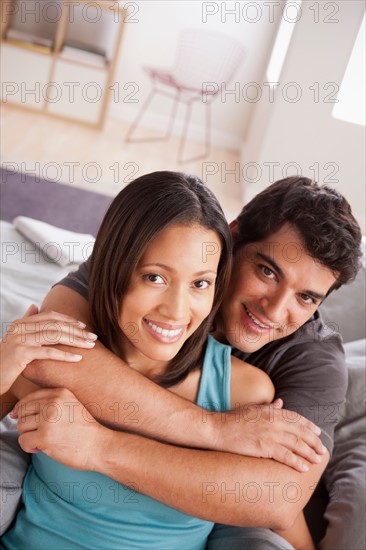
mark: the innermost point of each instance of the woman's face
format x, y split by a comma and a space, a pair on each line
170, 293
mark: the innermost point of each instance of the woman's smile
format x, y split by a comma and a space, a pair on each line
164, 332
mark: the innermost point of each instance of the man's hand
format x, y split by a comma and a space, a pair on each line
268, 431
55, 422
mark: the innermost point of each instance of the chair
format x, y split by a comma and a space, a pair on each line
202, 58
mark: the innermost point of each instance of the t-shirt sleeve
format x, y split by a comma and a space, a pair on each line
77, 280
311, 378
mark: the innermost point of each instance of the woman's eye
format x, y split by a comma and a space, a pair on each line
154, 278
202, 284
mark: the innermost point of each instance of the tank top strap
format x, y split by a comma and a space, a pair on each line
214, 390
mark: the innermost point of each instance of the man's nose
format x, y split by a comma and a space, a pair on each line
276, 306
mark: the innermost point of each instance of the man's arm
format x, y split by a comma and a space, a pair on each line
117, 395
220, 487
214, 486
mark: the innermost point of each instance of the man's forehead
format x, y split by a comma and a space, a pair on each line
282, 252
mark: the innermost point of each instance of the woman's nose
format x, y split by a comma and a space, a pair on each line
175, 305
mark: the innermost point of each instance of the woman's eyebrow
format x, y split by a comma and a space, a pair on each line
171, 269
163, 266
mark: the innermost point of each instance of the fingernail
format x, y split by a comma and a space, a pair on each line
324, 449
82, 325
91, 335
90, 344
304, 468
77, 357
317, 430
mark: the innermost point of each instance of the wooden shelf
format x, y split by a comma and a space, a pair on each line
28, 46
74, 22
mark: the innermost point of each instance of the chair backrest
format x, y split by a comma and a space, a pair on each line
206, 56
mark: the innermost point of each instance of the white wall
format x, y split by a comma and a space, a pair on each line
152, 41
304, 132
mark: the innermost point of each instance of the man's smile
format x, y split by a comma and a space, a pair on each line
258, 322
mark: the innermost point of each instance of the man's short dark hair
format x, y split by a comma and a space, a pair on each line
320, 214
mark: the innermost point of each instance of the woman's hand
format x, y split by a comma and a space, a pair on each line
269, 431
55, 422
33, 337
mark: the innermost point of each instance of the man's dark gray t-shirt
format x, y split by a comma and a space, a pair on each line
307, 368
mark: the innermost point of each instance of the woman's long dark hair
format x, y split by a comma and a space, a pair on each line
136, 216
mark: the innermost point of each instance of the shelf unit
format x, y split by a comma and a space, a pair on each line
70, 74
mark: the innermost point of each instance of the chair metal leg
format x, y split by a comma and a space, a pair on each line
173, 113
181, 160
184, 134
135, 123
133, 127
208, 129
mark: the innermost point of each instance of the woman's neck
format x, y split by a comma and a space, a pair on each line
139, 362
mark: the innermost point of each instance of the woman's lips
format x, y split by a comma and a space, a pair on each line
167, 334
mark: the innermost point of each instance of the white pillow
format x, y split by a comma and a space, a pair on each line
60, 245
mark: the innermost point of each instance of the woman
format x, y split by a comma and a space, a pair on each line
159, 269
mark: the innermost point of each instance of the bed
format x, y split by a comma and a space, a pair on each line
27, 273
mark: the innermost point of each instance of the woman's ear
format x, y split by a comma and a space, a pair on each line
234, 227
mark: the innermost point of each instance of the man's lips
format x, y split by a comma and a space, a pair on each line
259, 323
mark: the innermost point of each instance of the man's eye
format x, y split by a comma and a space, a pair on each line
202, 284
267, 271
154, 278
308, 299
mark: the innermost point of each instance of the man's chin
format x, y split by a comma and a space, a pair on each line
250, 344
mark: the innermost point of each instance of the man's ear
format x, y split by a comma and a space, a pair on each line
234, 227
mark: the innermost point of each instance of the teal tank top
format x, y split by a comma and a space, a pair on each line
66, 509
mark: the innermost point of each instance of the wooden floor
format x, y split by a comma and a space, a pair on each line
102, 161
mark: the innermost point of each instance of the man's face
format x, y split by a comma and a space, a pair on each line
275, 288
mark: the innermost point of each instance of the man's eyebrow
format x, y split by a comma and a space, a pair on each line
272, 263
170, 269
314, 294
277, 268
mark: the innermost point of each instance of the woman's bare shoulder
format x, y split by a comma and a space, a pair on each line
249, 384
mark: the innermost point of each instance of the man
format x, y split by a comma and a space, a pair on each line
293, 244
